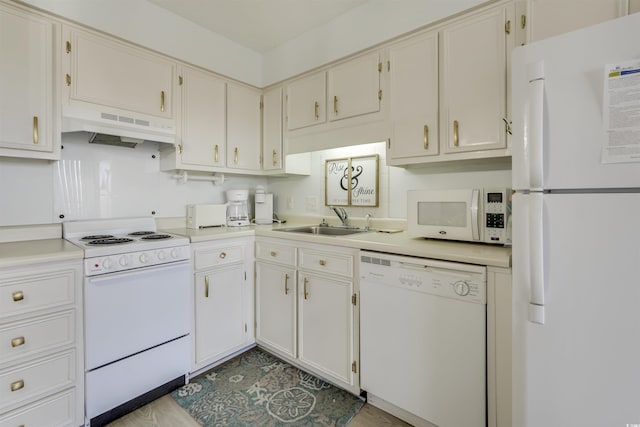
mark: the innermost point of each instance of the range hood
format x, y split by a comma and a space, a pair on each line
117, 128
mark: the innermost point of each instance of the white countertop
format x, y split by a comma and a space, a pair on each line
26, 252
396, 243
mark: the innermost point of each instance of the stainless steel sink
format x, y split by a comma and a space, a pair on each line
324, 230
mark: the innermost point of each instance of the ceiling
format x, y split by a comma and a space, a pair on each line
259, 25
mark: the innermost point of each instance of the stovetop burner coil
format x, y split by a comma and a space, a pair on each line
97, 236
156, 237
141, 233
110, 241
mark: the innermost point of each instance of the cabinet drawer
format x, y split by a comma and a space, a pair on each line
220, 255
58, 410
326, 262
274, 252
19, 384
27, 293
35, 335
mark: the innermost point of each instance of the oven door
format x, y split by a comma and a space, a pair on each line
131, 311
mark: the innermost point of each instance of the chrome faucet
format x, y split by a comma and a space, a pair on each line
367, 218
342, 214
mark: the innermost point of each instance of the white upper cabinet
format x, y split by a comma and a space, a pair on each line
29, 123
473, 80
202, 124
110, 73
354, 87
272, 129
548, 18
413, 98
244, 133
306, 101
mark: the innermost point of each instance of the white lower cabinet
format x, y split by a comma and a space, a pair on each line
306, 308
41, 345
223, 295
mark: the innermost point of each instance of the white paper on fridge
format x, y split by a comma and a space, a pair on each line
621, 112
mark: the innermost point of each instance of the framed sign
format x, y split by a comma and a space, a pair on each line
352, 181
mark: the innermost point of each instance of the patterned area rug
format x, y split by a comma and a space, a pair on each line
257, 389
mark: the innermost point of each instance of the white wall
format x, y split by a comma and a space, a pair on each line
100, 181
308, 197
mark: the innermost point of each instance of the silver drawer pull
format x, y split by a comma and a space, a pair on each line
18, 341
18, 296
15, 386
223, 255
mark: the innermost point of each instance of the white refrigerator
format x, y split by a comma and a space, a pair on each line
576, 228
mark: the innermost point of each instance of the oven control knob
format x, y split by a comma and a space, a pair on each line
144, 258
107, 264
175, 253
461, 288
161, 255
124, 261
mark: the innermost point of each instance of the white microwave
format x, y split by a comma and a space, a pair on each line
472, 215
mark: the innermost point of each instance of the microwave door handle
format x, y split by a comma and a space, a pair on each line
475, 197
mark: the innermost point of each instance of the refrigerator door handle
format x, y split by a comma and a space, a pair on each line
534, 136
536, 242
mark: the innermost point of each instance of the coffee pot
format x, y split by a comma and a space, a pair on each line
237, 211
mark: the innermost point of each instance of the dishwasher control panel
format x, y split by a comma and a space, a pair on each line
442, 278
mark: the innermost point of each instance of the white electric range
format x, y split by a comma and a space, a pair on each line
137, 313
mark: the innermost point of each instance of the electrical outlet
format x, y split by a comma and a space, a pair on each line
289, 202
311, 203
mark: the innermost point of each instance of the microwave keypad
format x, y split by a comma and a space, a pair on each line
495, 220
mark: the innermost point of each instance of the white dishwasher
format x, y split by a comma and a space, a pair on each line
423, 338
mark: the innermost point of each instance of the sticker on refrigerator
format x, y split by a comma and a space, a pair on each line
621, 112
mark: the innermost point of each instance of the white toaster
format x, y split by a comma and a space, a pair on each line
211, 215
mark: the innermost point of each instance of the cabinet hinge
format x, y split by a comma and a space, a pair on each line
68, 79
523, 21
507, 27
180, 148
245, 328
180, 80
245, 275
261, 102
507, 126
388, 143
388, 65
379, 67
354, 367
354, 299
380, 95
68, 47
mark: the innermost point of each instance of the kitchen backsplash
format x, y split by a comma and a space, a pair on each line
98, 181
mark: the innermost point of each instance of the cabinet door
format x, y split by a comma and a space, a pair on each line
272, 129
276, 307
549, 18
473, 82
114, 74
220, 326
354, 87
306, 104
26, 86
203, 124
243, 127
325, 326
413, 72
